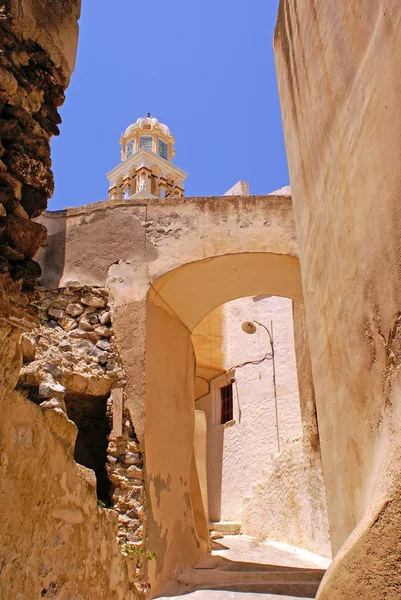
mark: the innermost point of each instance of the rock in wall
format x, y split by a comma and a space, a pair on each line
340, 92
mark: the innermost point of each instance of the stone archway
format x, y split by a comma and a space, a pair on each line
176, 303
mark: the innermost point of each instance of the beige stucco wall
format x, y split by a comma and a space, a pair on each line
107, 240
169, 443
198, 480
340, 92
243, 455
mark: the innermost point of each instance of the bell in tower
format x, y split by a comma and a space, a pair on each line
146, 169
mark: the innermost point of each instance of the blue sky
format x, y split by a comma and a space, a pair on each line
206, 69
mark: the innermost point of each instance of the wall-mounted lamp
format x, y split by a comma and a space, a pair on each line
250, 328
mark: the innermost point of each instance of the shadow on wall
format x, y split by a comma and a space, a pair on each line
89, 414
51, 255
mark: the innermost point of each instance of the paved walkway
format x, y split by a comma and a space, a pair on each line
242, 569
226, 595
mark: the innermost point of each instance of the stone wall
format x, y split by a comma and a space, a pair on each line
73, 350
340, 92
73, 354
34, 72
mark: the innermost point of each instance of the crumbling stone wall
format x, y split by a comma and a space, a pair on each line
32, 88
73, 349
74, 352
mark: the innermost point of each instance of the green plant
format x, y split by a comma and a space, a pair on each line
42, 313
101, 504
129, 550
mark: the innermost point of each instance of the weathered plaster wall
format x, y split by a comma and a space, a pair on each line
169, 444
288, 504
337, 65
109, 240
238, 454
55, 541
200, 456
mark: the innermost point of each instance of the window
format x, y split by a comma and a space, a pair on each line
226, 394
163, 148
130, 150
126, 192
146, 142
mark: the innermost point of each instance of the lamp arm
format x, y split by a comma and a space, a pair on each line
270, 335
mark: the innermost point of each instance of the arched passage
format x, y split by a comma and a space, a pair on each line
196, 288
176, 303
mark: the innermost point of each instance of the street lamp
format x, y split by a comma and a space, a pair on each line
250, 328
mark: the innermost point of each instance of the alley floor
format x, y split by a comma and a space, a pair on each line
240, 568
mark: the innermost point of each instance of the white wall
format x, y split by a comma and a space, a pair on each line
273, 495
239, 453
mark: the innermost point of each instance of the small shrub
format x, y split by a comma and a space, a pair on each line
129, 550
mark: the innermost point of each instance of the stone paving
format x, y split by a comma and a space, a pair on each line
252, 565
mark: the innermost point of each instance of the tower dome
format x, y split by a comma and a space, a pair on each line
146, 168
146, 123
147, 132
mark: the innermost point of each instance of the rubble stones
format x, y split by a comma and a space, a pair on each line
133, 458
93, 319
54, 370
103, 331
134, 473
94, 301
68, 324
57, 313
74, 309
103, 345
84, 345
105, 318
49, 390
28, 348
100, 356
85, 334
53, 404
63, 351
85, 324
24, 235
65, 345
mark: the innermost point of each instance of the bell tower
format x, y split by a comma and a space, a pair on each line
146, 169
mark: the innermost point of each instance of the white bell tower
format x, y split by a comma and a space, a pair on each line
146, 169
